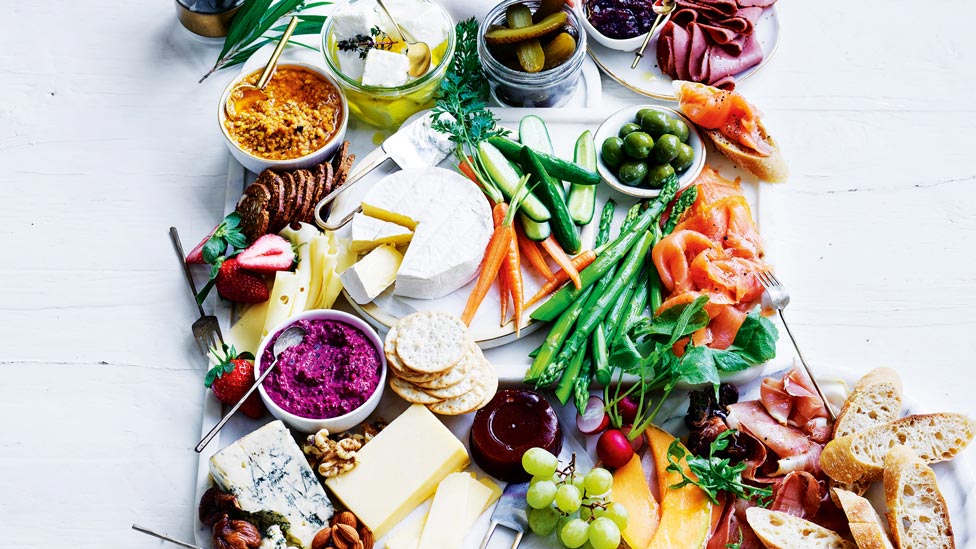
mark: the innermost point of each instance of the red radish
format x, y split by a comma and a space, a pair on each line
268, 253
638, 443
594, 417
627, 409
614, 449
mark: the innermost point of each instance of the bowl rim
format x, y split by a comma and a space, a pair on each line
283, 163
404, 89
620, 44
321, 314
692, 173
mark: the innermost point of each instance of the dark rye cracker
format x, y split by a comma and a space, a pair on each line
266, 178
277, 204
309, 207
301, 185
253, 209
291, 196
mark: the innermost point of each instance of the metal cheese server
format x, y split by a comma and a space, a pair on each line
510, 513
415, 145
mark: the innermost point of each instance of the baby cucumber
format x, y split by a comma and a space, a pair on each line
582, 198
507, 179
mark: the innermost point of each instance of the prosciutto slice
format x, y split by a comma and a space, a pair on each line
710, 41
794, 401
795, 450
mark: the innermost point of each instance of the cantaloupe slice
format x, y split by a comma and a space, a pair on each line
630, 489
686, 513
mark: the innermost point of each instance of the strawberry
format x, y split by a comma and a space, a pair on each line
232, 377
227, 233
268, 254
238, 284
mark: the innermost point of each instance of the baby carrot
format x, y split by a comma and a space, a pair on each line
580, 262
530, 250
495, 253
504, 280
557, 253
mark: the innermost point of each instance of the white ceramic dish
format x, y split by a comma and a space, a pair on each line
335, 424
257, 164
630, 45
610, 128
647, 79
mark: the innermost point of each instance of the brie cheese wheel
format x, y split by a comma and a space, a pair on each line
369, 232
452, 225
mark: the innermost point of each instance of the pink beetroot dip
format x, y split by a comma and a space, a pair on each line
331, 373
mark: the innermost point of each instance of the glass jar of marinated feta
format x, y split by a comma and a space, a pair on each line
366, 55
510, 84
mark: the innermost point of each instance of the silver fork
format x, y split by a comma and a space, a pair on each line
775, 296
206, 329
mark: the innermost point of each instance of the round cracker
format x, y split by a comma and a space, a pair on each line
431, 342
411, 393
456, 374
397, 367
456, 390
468, 402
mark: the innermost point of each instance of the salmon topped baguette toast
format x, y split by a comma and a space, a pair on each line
735, 127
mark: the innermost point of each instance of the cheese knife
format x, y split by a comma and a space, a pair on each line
164, 537
414, 145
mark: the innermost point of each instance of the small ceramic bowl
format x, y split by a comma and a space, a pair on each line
611, 127
257, 164
619, 44
334, 424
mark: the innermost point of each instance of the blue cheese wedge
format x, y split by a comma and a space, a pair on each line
452, 225
273, 483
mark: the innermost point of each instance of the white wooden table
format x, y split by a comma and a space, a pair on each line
106, 140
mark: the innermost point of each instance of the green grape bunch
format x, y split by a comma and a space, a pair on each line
574, 505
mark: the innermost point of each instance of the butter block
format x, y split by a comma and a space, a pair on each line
273, 483
245, 335
399, 469
370, 232
372, 274
385, 69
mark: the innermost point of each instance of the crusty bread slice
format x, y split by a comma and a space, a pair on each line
933, 437
770, 168
779, 530
875, 399
917, 512
866, 526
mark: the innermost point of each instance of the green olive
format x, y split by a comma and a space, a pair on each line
685, 158
628, 129
638, 145
632, 173
665, 148
654, 122
657, 175
679, 129
612, 151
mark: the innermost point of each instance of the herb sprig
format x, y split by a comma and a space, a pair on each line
361, 43
253, 27
461, 109
715, 474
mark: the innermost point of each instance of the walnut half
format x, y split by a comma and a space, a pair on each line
235, 534
215, 504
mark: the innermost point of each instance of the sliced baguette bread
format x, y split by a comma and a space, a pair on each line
875, 399
779, 530
933, 437
917, 512
866, 526
770, 168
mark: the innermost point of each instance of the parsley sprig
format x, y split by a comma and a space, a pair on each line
714, 474
461, 109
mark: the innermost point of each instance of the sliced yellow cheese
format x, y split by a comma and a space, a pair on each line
321, 248
445, 526
372, 274
482, 494
282, 298
399, 469
406, 536
301, 238
370, 232
390, 216
245, 335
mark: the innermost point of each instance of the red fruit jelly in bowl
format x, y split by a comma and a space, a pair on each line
514, 421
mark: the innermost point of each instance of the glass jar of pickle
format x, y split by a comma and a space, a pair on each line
510, 83
386, 107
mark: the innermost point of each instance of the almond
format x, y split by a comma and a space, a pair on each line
366, 535
322, 539
344, 536
347, 517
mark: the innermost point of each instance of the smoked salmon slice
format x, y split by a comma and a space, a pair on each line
725, 111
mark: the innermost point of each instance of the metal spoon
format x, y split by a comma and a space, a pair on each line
288, 339
666, 7
245, 95
418, 53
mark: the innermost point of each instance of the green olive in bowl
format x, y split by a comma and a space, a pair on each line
628, 129
632, 173
666, 149
655, 123
678, 128
685, 158
657, 175
638, 145
612, 152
